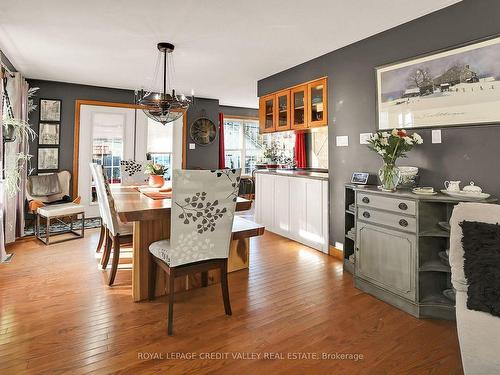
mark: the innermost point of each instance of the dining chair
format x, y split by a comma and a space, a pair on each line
117, 231
103, 235
132, 172
203, 206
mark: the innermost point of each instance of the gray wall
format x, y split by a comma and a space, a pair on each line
468, 153
204, 157
239, 111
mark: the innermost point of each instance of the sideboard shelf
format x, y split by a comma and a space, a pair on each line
395, 250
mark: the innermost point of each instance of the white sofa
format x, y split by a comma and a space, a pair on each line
478, 332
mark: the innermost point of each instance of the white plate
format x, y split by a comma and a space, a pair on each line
423, 192
464, 195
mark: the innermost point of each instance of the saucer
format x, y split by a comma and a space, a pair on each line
464, 195
419, 191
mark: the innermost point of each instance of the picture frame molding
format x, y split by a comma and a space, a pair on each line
40, 110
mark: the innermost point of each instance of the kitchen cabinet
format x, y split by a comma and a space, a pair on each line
295, 108
283, 110
299, 207
317, 106
299, 107
267, 113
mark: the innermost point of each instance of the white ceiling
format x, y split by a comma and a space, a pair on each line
222, 46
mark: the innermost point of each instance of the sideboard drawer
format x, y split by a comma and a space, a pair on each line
400, 222
405, 206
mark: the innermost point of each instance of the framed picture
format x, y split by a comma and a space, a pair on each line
48, 133
48, 158
50, 110
457, 86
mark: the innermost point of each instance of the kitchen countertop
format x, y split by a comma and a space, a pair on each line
295, 173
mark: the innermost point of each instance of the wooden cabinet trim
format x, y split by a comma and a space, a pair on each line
303, 125
324, 121
278, 111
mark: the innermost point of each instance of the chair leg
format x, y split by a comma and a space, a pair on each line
225, 287
171, 280
116, 259
152, 279
107, 250
101, 238
204, 279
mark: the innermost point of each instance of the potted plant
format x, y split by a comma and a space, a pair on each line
155, 172
391, 146
272, 155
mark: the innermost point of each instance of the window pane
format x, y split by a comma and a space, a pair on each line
232, 135
253, 140
159, 137
233, 159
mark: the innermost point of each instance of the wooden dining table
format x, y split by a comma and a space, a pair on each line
151, 222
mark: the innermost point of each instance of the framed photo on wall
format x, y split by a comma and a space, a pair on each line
48, 133
50, 110
452, 87
48, 158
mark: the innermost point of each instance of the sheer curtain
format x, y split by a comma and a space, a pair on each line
17, 89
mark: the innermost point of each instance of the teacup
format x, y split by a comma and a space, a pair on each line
452, 185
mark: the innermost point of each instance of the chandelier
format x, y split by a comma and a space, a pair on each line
165, 106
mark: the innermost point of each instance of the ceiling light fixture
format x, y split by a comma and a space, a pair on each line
165, 106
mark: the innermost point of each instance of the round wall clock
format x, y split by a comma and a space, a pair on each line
203, 131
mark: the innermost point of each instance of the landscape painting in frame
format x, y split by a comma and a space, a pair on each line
460, 86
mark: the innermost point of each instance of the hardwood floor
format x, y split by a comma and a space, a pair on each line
58, 316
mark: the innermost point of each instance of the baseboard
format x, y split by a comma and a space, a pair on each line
336, 253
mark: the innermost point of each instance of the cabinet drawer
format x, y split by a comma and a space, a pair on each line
401, 222
405, 206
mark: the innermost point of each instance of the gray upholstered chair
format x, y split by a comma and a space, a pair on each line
116, 231
132, 172
478, 332
203, 206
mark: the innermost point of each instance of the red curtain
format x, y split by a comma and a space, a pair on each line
222, 159
300, 150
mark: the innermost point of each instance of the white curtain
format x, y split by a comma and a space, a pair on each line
3, 254
17, 89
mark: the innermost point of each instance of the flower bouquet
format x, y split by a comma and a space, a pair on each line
391, 146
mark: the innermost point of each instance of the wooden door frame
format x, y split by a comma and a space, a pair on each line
76, 137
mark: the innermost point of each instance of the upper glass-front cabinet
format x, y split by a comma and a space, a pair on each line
267, 115
283, 110
317, 91
299, 104
296, 108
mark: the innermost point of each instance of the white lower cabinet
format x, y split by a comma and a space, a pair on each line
294, 207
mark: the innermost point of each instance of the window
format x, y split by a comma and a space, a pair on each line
159, 148
243, 144
107, 143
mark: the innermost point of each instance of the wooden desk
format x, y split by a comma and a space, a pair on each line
151, 218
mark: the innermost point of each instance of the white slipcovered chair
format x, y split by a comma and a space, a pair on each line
203, 206
116, 231
132, 172
478, 332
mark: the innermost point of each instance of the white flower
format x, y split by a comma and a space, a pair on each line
394, 132
417, 138
408, 140
385, 135
374, 137
384, 142
382, 152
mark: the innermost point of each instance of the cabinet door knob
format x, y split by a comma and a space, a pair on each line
403, 206
366, 214
403, 223
365, 200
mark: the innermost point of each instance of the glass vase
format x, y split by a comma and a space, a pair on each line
389, 176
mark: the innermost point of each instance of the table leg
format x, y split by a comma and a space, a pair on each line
145, 233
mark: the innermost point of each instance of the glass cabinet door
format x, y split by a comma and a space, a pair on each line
267, 113
283, 110
317, 103
299, 104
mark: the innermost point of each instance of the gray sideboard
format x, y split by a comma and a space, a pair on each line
394, 244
